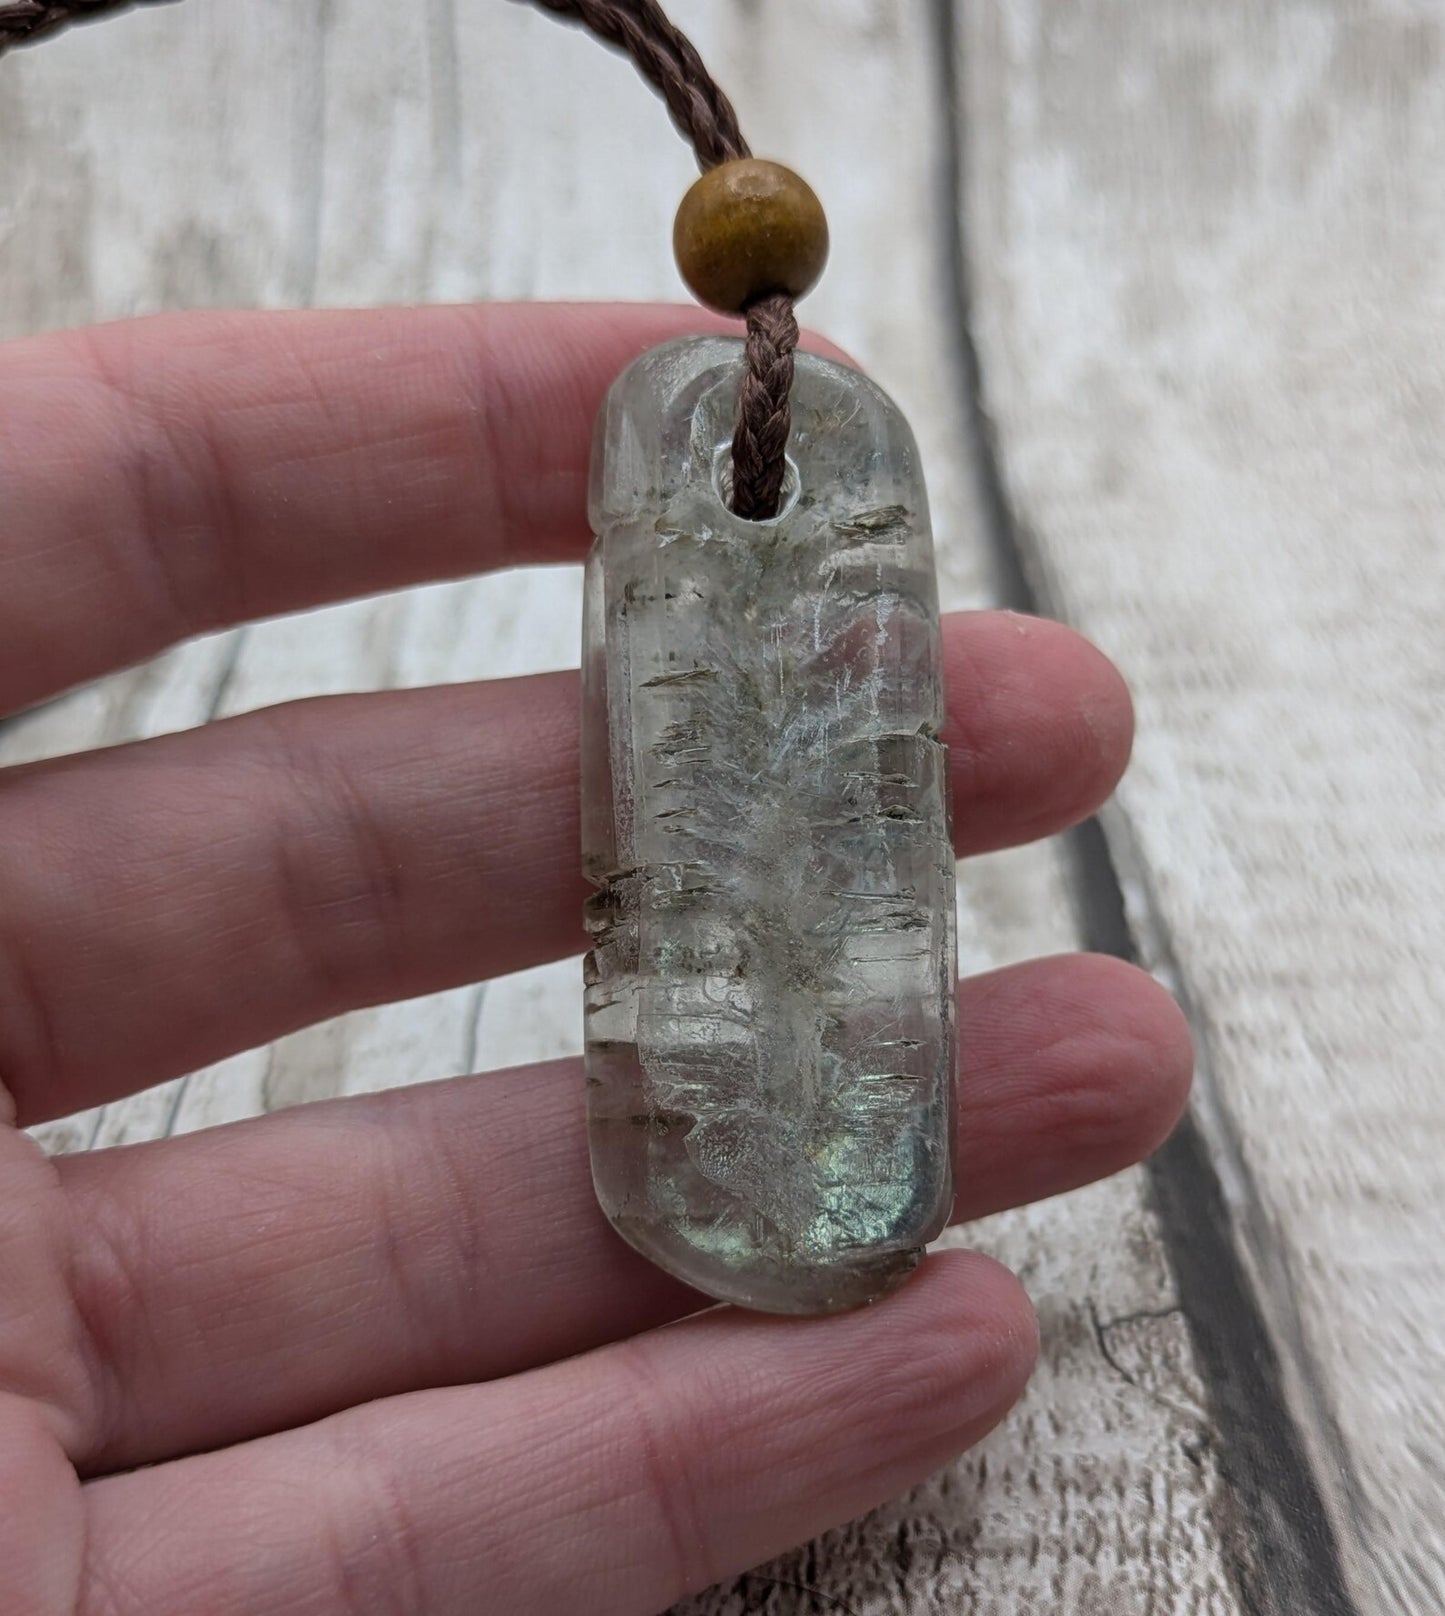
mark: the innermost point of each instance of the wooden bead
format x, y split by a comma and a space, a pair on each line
748, 228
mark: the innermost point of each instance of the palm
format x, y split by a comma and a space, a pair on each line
384, 1354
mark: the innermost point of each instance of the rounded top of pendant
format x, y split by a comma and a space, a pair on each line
747, 229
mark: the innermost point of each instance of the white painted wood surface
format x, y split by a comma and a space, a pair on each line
1225, 462
1207, 246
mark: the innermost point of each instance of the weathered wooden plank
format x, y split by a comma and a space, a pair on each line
488, 153
1207, 253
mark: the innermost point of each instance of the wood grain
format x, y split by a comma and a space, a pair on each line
1207, 253
259, 155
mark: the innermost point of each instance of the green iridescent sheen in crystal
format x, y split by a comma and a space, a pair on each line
770, 992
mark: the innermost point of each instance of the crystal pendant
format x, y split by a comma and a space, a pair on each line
770, 991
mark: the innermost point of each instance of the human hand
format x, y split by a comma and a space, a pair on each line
384, 1354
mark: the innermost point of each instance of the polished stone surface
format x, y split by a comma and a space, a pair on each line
770, 992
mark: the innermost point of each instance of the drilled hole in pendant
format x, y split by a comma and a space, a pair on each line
722, 482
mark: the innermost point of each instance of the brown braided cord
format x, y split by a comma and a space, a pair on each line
24, 20
760, 438
705, 116
667, 60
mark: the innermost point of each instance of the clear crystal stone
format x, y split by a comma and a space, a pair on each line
770, 991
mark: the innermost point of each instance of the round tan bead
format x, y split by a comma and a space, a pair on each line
748, 228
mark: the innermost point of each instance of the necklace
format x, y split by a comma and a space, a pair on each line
770, 992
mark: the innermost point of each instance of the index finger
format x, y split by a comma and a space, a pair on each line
171, 475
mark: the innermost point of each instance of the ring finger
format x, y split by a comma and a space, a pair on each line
256, 1276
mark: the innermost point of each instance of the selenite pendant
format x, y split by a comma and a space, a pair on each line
770, 991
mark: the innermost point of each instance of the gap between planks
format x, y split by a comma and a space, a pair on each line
1276, 1531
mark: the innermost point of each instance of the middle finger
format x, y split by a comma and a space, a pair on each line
165, 904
